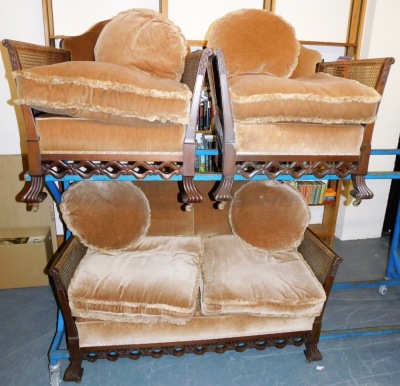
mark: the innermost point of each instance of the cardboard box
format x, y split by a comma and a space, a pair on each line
24, 255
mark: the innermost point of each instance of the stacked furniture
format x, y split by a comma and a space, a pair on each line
140, 276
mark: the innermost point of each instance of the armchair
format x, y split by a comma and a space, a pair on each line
113, 101
281, 111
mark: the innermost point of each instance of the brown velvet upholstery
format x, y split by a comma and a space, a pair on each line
81, 47
307, 62
240, 279
311, 138
156, 281
270, 216
95, 333
104, 92
106, 215
143, 39
268, 44
104, 138
318, 98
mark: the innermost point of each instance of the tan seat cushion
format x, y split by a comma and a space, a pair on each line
269, 215
156, 281
103, 91
240, 279
318, 98
255, 41
66, 135
106, 215
143, 39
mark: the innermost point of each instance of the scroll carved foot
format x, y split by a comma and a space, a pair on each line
35, 194
312, 353
74, 372
361, 190
191, 195
223, 191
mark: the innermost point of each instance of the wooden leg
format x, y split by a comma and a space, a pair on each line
312, 353
74, 372
35, 194
223, 191
191, 194
361, 190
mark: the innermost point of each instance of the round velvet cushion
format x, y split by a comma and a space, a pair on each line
270, 216
143, 39
255, 41
106, 215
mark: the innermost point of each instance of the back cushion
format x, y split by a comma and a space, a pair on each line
143, 39
269, 215
307, 62
106, 215
255, 41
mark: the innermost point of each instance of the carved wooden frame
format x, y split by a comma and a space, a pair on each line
322, 260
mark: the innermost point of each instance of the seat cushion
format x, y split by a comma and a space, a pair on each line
239, 279
65, 135
318, 98
255, 41
268, 215
103, 91
156, 281
106, 215
143, 39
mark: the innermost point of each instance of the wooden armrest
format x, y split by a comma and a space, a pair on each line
370, 72
193, 76
67, 261
27, 55
61, 273
323, 261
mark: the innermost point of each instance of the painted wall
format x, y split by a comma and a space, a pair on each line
22, 20
381, 39
19, 20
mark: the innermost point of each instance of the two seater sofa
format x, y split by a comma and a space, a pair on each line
142, 278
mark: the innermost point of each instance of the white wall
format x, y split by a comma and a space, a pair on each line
19, 20
22, 20
381, 39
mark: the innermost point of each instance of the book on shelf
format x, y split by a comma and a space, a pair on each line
314, 192
205, 162
205, 119
343, 58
